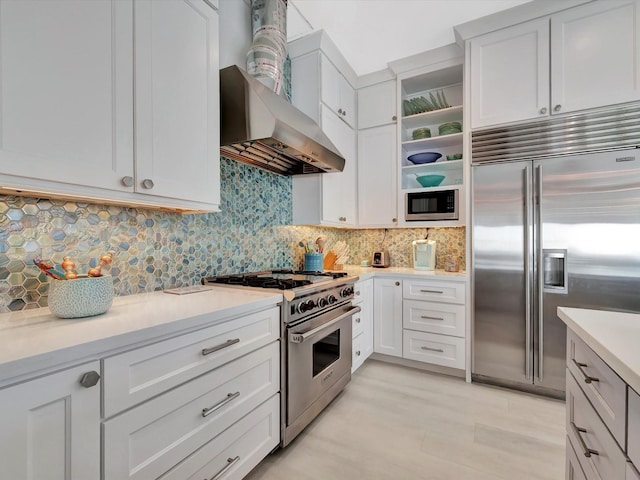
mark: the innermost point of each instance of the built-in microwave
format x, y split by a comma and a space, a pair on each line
432, 205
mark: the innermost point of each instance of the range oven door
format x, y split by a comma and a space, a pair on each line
318, 356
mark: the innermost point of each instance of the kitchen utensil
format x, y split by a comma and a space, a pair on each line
455, 156
424, 157
330, 260
81, 297
420, 133
430, 180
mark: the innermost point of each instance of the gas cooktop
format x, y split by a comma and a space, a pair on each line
285, 279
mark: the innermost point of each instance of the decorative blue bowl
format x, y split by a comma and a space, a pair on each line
424, 157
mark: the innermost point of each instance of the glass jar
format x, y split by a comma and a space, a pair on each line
451, 263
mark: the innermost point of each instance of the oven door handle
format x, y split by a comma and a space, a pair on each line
300, 337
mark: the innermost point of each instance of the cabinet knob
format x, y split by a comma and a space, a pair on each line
397, 284
394, 220
357, 353
89, 379
147, 183
358, 320
394, 118
342, 219
557, 108
127, 181
344, 113
340, 111
543, 110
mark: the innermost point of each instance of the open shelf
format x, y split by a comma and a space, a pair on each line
444, 115
435, 167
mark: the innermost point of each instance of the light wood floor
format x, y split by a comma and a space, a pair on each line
398, 423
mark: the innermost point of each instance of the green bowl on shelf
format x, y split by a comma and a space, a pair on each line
449, 128
455, 156
430, 180
419, 133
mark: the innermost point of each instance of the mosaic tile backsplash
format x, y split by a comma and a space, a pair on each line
154, 250
157, 250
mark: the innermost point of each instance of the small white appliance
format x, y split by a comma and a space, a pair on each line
424, 254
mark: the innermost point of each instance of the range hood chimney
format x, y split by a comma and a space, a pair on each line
263, 129
259, 127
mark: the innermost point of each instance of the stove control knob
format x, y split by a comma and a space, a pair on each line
322, 302
331, 299
306, 306
345, 292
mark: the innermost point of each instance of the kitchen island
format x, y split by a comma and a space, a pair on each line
603, 405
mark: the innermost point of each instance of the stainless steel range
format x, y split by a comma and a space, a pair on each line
315, 339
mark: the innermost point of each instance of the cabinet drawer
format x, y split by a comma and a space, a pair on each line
357, 352
443, 318
586, 431
633, 446
433, 348
238, 449
632, 473
149, 439
573, 469
357, 324
607, 394
135, 376
434, 291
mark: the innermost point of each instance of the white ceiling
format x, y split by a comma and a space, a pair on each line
371, 33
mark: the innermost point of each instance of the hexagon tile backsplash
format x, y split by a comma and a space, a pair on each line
157, 250
154, 250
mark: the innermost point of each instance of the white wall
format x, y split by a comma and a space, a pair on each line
235, 32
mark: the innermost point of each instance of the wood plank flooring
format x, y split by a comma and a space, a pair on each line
393, 422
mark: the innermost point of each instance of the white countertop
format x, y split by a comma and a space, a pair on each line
614, 336
370, 272
32, 340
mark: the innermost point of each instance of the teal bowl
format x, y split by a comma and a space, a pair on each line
430, 180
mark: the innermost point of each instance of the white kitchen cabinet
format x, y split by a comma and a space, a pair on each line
337, 93
362, 327
377, 166
583, 57
51, 427
377, 104
68, 71
510, 74
387, 316
177, 100
148, 440
328, 198
434, 322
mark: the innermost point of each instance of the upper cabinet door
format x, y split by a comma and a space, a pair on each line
67, 96
377, 104
595, 55
177, 100
510, 74
337, 92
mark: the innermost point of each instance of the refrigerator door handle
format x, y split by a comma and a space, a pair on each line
540, 274
528, 242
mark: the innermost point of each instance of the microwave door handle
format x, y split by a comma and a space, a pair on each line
301, 337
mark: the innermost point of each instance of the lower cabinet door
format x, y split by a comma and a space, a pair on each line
50, 427
235, 452
150, 439
632, 473
433, 348
573, 469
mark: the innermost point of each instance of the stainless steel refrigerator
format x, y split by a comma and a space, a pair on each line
557, 231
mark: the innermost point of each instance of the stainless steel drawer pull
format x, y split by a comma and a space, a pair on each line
230, 396
439, 350
230, 463
586, 450
427, 317
431, 291
587, 378
228, 343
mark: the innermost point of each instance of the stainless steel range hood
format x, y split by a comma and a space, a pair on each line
261, 128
